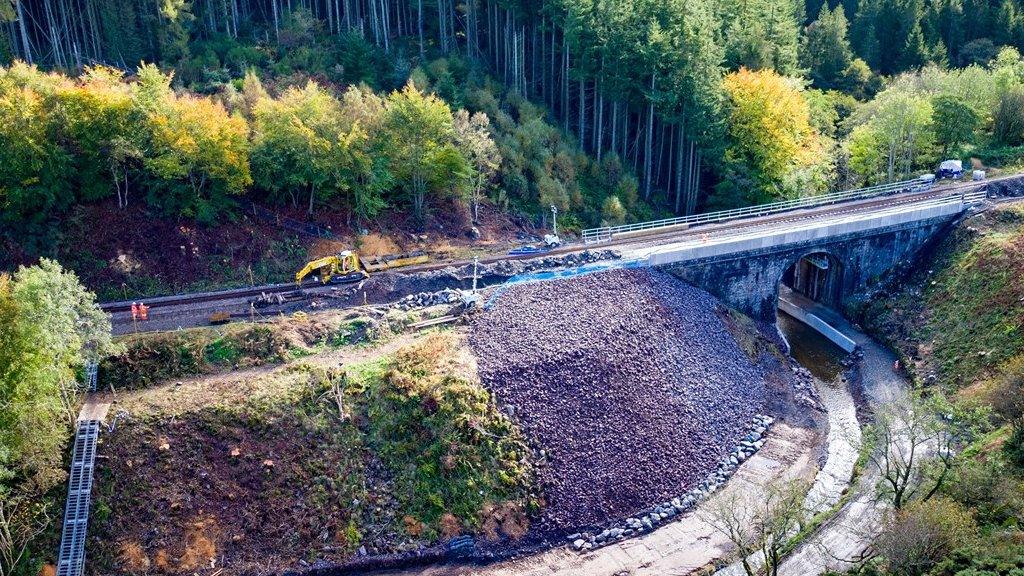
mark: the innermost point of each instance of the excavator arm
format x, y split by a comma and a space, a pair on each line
345, 264
329, 262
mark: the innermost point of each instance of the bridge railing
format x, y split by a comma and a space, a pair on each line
606, 233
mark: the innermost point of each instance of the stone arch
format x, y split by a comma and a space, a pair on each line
816, 274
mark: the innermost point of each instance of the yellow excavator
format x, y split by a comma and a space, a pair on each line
346, 266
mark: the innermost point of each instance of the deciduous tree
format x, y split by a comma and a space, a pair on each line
954, 122
50, 325
474, 137
421, 147
759, 525
198, 159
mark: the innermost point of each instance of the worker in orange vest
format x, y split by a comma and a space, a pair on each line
143, 311
135, 311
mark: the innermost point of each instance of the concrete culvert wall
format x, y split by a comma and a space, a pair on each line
629, 380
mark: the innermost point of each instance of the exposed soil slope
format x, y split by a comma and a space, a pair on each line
133, 252
311, 468
630, 381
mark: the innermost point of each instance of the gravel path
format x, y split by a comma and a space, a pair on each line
629, 380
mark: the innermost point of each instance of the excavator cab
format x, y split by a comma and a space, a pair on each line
342, 267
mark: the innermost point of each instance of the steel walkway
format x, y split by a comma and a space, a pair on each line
71, 559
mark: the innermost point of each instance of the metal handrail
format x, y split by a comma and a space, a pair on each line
964, 200
605, 233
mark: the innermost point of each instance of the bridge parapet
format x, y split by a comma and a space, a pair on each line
744, 268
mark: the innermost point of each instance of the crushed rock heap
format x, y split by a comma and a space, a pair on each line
628, 380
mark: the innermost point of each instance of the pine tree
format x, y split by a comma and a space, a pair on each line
1005, 24
915, 53
825, 50
762, 34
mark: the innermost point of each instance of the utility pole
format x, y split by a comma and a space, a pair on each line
554, 219
476, 261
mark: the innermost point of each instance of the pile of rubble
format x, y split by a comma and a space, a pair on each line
805, 391
628, 384
512, 267
428, 299
667, 511
384, 287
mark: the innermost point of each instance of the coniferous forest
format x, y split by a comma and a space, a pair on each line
612, 111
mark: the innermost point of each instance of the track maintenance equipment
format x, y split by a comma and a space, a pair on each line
347, 266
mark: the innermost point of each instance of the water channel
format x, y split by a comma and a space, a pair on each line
812, 350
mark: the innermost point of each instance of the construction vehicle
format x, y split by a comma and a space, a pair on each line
346, 266
342, 267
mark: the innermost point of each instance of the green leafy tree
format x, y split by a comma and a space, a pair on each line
419, 138
897, 132
915, 440
613, 212
34, 168
954, 122
97, 119
1008, 118
50, 325
198, 159
296, 144
474, 136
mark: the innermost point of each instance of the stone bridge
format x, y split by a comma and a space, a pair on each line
825, 258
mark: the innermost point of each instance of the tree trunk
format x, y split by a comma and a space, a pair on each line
696, 185
692, 193
647, 147
662, 169
671, 158
565, 82
626, 136
600, 121
26, 45
615, 121
582, 114
679, 161
419, 24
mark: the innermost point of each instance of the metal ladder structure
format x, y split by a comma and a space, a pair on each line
91, 368
71, 559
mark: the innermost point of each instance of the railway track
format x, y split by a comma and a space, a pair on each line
647, 239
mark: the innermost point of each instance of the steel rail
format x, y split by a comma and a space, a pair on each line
195, 298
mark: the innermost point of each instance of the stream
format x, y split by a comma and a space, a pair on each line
812, 350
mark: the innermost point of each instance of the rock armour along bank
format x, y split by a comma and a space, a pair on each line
628, 381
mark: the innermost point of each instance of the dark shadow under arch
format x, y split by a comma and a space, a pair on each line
817, 275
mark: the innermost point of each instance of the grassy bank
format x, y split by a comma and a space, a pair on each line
960, 320
389, 454
958, 324
152, 358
